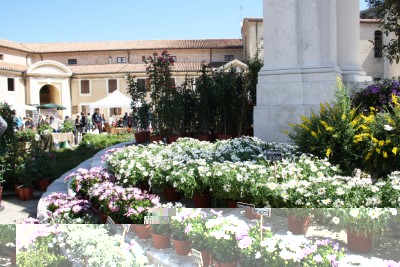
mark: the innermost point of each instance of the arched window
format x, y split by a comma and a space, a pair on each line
378, 44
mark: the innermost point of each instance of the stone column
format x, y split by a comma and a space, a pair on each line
300, 64
348, 28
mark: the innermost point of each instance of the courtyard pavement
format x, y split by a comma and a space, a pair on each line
15, 210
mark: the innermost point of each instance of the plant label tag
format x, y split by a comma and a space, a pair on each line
273, 155
197, 257
109, 220
148, 220
241, 205
126, 227
263, 211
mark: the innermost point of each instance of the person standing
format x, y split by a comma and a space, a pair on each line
97, 120
77, 129
130, 121
55, 124
83, 123
126, 119
3, 125
89, 123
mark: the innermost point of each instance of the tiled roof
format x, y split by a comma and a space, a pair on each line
134, 45
137, 68
14, 45
12, 67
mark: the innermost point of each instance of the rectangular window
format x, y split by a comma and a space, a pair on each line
1, 56
141, 83
72, 61
85, 87
85, 108
11, 84
229, 58
112, 85
121, 59
74, 109
148, 85
172, 80
115, 111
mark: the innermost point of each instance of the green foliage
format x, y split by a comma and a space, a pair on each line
140, 107
331, 132
45, 128
25, 135
186, 108
43, 254
67, 126
7, 233
9, 135
100, 141
390, 10
163, 91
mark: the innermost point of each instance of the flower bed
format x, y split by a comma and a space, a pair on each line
236, 169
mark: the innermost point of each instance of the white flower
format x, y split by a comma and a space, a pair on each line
354, 213
335, 220
339, 191
258, 255
227, 188
387, 127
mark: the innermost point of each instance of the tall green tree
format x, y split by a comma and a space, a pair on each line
390, 10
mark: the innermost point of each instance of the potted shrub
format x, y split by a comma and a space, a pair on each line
224, 236
140, 109
161, 235
179, 222
299, 219
196, 231
363, 225
24, 189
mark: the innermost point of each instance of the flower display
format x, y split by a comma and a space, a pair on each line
226, 236
65, 209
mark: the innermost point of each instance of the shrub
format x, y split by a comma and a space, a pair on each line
330, 133
378, 96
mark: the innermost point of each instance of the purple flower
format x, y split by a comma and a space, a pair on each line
188, 228
318, 258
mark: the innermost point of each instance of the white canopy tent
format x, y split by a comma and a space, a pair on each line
114, 100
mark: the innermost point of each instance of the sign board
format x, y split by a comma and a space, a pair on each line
273, 155
263, 211
109, 220
242, 205
197, 257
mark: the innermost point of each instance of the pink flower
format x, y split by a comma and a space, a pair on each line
245, 242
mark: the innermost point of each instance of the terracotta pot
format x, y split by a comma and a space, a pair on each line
299, 226
13, 258
16, 186
206, 256
182, 247
358, 243
25, 193
202, 200
146, 136
142, 231
232, 204
139, 137
250, 215
224, 136
42, 184
144, 186
173, 138
161, 241
223, 264
103, 217
156, 138
203, 137
170, 194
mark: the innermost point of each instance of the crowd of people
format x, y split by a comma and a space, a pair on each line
81, 124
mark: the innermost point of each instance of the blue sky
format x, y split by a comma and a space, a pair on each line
105, 20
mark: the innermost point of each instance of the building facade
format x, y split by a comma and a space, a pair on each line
76, 74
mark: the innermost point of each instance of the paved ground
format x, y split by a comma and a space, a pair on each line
15, 210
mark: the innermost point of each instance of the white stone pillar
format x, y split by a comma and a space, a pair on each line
300, 64
348, 34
